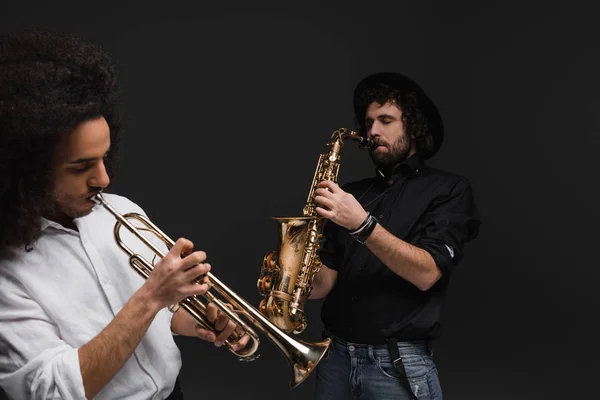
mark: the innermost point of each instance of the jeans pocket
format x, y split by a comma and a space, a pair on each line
387, 368
415, 366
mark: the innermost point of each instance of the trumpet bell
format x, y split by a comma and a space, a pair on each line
305, 361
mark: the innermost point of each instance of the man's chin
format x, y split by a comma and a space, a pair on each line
381, 159
385, 162
82, 213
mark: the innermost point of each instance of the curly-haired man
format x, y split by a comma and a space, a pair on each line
76, 321
390, 245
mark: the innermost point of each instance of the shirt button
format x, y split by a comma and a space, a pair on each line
380, 216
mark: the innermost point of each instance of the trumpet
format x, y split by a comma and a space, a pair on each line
302, 356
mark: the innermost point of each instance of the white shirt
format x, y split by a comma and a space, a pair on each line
64, 292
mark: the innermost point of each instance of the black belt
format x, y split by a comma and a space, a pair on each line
397, 360
176, 394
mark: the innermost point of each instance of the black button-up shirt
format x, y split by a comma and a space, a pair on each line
426, 207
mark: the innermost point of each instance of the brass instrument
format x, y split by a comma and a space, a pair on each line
302, 356
286, 276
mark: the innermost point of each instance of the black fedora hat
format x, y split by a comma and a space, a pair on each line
415, 98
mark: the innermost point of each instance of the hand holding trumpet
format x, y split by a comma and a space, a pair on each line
174, 278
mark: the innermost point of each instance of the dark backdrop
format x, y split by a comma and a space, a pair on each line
228, 106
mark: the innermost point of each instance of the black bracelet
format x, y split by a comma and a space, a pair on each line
362, 235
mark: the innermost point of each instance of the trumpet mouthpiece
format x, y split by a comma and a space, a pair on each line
98, 199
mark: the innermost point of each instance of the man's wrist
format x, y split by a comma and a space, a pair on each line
145, 296
365, 229
361, 226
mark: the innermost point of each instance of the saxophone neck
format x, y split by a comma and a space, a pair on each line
338, 137
329, 163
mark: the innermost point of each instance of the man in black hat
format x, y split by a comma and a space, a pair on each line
390, 245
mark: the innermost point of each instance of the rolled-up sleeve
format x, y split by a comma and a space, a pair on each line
450, 222
34, 362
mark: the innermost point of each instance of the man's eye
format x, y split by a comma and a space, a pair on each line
82, 169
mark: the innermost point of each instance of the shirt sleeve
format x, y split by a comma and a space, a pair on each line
330, 250
449, 223
34, 362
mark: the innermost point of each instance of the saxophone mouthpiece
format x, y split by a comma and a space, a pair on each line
368, 143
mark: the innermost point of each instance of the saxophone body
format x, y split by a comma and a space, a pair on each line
287, 274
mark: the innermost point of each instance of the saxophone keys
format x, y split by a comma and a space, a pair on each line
270, 261
262, 307
264, 285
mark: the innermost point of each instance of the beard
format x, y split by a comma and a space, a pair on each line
63, 207
398, 153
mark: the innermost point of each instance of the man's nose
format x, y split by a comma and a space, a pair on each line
100, 179
374, 130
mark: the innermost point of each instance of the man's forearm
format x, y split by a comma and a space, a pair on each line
411, 263
103, 356
323, 282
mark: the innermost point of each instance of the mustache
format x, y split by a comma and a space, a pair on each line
376, 143
92, 193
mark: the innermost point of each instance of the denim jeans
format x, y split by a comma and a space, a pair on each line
359, 371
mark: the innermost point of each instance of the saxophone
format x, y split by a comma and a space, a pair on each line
286, 276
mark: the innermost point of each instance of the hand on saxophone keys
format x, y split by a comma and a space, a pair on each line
338, 206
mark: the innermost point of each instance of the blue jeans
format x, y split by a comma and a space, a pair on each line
360, 371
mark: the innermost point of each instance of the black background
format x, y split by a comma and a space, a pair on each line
228, 106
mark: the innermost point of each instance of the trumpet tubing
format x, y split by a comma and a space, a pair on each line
302, 356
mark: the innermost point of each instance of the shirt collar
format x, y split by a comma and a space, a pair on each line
47, 223
409, 167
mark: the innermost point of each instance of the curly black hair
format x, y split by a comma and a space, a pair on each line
50, 82
421, 118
